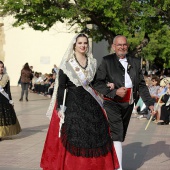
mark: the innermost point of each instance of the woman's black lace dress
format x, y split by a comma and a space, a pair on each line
85, 131
9, 124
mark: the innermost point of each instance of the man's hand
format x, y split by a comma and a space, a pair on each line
121, 92
111, 85
153, 112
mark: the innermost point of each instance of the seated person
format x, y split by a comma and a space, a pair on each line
165, 109
164, 86
34, 80
165, 115
153, 87
51, 88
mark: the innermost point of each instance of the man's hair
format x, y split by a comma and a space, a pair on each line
118, 36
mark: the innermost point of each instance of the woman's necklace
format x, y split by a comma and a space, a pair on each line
80, 64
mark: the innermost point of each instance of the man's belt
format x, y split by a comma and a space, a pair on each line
126, 98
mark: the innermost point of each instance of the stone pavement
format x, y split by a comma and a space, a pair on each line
142, 150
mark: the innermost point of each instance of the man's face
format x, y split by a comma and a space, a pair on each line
120, 47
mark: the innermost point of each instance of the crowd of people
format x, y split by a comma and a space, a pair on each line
90, 107
159, 88
36, 82
30, 81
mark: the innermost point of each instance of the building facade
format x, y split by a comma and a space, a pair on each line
40, 49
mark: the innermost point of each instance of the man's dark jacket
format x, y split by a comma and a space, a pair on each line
111, 70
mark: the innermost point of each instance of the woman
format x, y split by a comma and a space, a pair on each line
26, 75
84, 141
9, 124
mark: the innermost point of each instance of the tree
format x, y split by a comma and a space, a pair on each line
132, 18
157, 51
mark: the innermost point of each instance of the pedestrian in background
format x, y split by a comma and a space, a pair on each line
26, 75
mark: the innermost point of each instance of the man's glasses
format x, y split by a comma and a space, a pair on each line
121, 45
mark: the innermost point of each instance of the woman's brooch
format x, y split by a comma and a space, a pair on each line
129, 66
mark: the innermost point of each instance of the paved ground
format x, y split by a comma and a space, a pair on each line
143, 150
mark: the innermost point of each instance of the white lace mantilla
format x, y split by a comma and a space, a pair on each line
90, 71
68, 70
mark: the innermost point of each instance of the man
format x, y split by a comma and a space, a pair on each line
126, 74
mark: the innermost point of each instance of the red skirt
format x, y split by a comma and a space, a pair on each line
56, 157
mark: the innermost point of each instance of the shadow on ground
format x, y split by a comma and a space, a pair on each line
134, 154
26, 132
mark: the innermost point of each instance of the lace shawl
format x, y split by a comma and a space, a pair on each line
4, 80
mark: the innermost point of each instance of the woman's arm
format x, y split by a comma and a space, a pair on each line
62, 85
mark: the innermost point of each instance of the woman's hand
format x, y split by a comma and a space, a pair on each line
111, 85
60, 115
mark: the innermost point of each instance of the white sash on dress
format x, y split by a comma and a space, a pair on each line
2, 91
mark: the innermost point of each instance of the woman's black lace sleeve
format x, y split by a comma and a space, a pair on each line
8, 91
62, 85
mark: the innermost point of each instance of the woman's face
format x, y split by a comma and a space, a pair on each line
81, 45
1, 68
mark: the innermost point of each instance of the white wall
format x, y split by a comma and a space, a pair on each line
31, 46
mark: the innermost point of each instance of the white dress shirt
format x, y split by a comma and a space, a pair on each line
128, 81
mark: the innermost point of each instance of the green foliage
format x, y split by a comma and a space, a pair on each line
158, 47
132, 18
